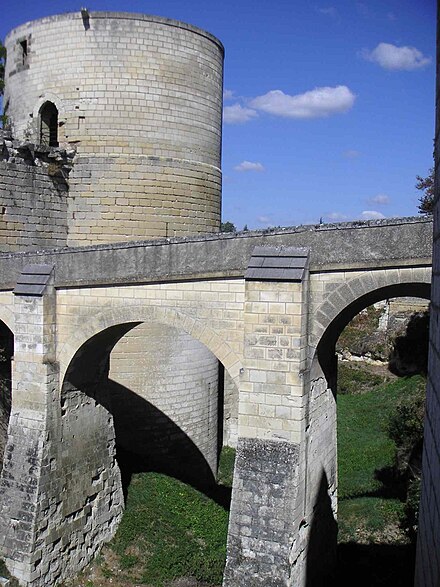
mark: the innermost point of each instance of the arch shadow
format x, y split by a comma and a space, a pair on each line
6, 355
146, 438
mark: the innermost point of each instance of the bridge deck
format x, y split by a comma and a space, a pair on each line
348, 246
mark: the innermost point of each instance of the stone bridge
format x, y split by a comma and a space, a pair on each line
269, 306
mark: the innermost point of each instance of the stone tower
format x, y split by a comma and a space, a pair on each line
140, 99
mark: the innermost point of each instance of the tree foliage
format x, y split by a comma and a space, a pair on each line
227, 227
426, 186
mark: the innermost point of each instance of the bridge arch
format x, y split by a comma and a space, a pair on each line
328, 319
138, 314
349, 298
100, 417
7, 317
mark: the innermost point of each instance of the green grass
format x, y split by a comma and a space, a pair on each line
226, 466
363, 449
170, 530
355, 378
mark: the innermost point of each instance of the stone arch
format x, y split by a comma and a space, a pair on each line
137, 314
48, 125
327, 320
352, 296
45, 99
7, 317
89, 419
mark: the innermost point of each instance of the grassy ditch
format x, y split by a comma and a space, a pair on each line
369, 495
174, 536
374, 544
170, 535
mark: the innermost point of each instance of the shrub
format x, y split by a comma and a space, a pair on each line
405, 427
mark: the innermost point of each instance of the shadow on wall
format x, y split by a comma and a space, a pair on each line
146, 438
321, 549
6, 354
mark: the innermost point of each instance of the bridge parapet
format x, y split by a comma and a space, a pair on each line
395, 242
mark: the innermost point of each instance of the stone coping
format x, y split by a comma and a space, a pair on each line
371, 244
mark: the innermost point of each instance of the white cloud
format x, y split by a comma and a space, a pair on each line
351, 154
391, 16
371, 215
380, 199
249, 166
316, 103
396, 58
228, 94
237, 114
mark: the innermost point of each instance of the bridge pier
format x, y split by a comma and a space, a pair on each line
27, 479
60, 497
269, 521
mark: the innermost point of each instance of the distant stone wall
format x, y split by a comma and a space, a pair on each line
428, 544
33, 196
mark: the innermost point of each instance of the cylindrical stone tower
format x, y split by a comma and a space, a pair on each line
140, 99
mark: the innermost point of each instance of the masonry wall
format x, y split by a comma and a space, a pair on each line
33, 197
140, 99
165, 411
428, 542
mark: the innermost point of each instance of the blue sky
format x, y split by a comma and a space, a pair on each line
329, 105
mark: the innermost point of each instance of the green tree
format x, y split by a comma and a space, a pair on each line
426, 186
227, 227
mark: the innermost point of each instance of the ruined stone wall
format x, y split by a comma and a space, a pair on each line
140, 98
33, 196
428, 542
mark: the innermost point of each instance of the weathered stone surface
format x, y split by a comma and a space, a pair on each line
428, 542
262, 513
331, 248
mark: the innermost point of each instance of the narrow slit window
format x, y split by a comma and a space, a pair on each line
24, 51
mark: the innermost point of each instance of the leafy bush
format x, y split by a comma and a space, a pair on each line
405, 427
